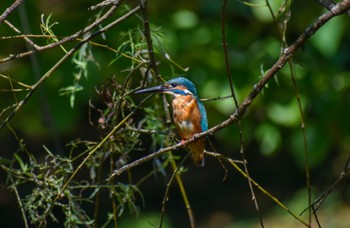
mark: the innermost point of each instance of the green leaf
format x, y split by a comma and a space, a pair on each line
23, 166
4, 161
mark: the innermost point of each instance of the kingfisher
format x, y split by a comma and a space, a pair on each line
189, 114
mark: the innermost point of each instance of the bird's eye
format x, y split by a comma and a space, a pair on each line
173, 85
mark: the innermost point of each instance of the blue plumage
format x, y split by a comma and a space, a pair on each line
184, 82
204, 120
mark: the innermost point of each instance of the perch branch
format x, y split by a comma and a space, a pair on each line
329, 4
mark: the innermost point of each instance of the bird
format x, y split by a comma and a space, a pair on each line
189, 114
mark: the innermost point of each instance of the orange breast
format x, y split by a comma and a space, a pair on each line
186, 116
187, 121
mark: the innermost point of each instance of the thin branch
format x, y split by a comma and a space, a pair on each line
266, 192
9, 10
281, 31
146, 131
329, 4
305, 146
26, 35
98, 194
216, 98
182, 190
147, 34
27, 87
152, 58
20, 205
29, 41
319, 201
222, 157
219, 159
241, 139
224, 44
104, 4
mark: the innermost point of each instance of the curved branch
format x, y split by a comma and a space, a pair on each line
329, 4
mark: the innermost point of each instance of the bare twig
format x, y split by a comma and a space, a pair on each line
224, 44
26, 35
147, 34
8, 11
282, 34
303, 129
319, 201
216, 98
104, 4
98, 194
222, 157
152, 58
266, 192
233, 94
20, 204
182, 190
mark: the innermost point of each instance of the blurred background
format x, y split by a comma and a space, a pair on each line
190, 33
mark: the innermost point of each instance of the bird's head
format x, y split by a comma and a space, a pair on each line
177, 87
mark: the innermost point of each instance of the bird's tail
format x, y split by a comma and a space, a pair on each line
197, 150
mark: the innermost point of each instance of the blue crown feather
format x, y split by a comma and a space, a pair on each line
184, 82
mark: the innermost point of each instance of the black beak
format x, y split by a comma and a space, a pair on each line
155, 89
